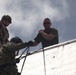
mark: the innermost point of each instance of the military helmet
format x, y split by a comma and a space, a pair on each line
7, 18
16, 40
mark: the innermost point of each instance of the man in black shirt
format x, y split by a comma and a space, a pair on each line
48, 36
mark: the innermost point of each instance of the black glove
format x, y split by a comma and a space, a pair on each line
30, 43
17, 60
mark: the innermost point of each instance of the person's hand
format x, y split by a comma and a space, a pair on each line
41, 31
29, 43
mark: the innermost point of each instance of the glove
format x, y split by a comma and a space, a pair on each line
30, 43
17, 60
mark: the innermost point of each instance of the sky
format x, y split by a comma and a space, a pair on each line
28, 15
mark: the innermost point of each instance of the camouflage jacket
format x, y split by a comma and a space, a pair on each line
7, 52
4, 35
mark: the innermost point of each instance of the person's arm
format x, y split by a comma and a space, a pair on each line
47, 36
35, 43
19, 46
15, 47
37, 40
31, 43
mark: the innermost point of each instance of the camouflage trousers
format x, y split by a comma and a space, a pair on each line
9, 70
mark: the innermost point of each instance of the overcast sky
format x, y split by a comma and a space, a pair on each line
28, 15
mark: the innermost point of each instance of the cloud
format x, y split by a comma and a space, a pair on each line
27, 16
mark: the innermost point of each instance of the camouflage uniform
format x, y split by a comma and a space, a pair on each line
4, 35
7, 58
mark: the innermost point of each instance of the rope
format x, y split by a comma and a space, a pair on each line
44, 61
23, 52
24, 58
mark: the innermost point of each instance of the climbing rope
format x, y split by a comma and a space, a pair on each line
44, 61
25, 59
20, 57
